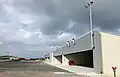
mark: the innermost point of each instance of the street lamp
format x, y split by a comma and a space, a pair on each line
89, 5
54, 45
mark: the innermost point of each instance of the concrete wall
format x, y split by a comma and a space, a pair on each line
65, 60
57, 59
97, 53
110, 53
105, 55
57, 52
82, 43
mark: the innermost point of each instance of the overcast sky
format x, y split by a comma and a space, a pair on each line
28, 27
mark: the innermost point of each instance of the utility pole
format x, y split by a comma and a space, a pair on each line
89, 5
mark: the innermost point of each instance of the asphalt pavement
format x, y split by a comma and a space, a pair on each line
31, 69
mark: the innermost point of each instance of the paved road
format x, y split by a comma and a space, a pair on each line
31, 69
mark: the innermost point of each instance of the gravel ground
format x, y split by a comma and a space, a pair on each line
31, 69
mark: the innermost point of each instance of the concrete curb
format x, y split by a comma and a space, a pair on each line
80, 74
60, 67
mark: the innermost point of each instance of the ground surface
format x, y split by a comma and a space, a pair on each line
31, 69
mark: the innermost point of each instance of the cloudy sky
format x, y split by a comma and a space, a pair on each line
28, 27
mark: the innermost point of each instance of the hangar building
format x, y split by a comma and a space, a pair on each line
102, 58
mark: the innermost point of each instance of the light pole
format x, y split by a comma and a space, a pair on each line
54, 45
54, 49
62, 50
62, 45
89, 5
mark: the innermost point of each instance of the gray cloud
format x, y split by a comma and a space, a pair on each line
56, 25
3, 15
48, 18
36, 6
61, 11
105, 15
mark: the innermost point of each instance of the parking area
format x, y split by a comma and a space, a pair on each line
31, 69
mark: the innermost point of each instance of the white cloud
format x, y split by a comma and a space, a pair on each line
4, 30
71, 24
